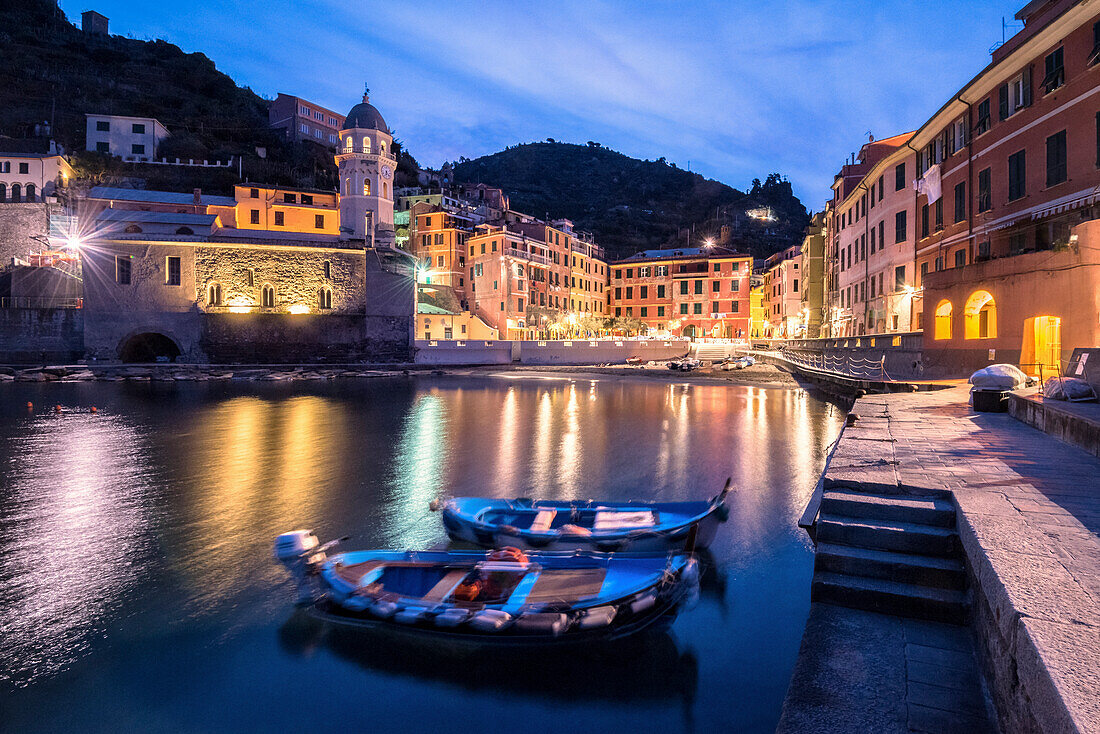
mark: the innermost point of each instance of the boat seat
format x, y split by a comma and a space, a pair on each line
543, 520
616, 520
446, 585
566, 586
547, 623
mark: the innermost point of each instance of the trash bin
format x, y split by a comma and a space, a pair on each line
990, 401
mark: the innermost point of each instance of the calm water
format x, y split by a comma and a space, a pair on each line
137, 590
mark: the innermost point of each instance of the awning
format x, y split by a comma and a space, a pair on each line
1073, 201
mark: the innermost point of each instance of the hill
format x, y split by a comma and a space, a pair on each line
51, 71
632, 204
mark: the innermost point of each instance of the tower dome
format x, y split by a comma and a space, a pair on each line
365, 116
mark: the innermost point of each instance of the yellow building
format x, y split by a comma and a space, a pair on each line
587, 278
273, 209
758, 309
435, 323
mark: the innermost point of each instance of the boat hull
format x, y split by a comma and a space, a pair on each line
465, 521
630, 595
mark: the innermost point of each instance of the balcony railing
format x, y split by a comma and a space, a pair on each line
512, 252
345, 150
27, 302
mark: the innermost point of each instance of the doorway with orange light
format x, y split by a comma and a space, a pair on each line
1041, 353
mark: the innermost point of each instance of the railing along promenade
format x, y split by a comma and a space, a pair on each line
877, 357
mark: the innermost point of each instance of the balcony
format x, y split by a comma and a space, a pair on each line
360, 150
520, 254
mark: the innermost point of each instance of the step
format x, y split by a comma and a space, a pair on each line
889, 597
903, 508
889, 535
944, 573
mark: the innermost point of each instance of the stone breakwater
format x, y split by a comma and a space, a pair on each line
189, 373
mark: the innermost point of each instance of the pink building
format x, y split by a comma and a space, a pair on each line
304, 120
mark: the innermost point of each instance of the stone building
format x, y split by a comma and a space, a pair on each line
269, 275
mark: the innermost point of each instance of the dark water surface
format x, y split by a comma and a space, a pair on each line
138, 593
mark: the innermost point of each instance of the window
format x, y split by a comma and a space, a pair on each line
881, 235
943, 321
662, 270
630, 272
983, 123
1056, 158
122, 269
1055, 72
102, 126
796, 285
923, 270
660, 291
960, 202
683, 287
924, 229
881, 186
644, 292
326, 269
279, 219
697, 309
683, 308
899, 278
366, 187
173, 271
872, 240
872, 196
629, 292
958, 134
618, 293
267, 296
899, 226
660, 311
698, 287
715, 307
307, 199
899, 177
983, 251
717, 267
1017, 171
960, 258
735, 286
980, 316
137, 149
214, 294
319, 221
102, 147
715, 286
645, 312
1016, 94
985, 193
138, 128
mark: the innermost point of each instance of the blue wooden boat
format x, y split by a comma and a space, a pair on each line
648, 527
501, 596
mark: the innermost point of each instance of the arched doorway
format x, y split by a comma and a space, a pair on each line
689, 331
149, 347
980, 316
943, 320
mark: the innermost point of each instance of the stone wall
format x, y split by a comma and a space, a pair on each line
277, 338
297, 274
38, 335
18, 222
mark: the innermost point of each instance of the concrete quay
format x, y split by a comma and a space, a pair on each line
1028, 521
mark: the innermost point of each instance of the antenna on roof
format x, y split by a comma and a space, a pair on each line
366, 92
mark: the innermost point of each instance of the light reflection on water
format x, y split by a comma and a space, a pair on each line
135, 543
74, 510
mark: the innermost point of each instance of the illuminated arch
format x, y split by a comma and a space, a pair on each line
214, 294
325, 299
980, 316
267, 296
366, 187
943, 320
366, 144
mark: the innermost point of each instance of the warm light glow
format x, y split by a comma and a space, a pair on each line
298, 308
73, 242
239, 309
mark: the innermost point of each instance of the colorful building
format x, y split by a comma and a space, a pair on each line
1000, 190
300, 119
758, 307
436, 323
782, 297
693, 292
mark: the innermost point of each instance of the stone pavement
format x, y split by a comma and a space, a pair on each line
1028, 518
864, 672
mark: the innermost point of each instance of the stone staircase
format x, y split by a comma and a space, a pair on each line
893, 554
712, 352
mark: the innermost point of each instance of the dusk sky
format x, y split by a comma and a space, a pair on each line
734, 89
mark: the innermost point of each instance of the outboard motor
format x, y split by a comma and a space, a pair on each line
691, 577
298, 550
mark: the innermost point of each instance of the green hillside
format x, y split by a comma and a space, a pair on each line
631, 204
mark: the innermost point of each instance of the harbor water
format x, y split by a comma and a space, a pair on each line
138, 591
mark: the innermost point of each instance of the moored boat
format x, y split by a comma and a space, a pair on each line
597, 526
502, 596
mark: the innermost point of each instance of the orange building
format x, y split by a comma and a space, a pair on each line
439, 242
693, 292
276, 209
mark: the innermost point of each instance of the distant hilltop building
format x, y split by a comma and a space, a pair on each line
93, 22
300, 119
129, 138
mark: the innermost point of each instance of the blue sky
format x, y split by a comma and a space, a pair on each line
734, 89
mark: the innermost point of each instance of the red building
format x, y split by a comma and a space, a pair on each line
303, 120
694, 292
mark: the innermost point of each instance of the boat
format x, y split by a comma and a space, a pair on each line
585, 525
675, 364
500, 596
634, 361
738, 364
689, 364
